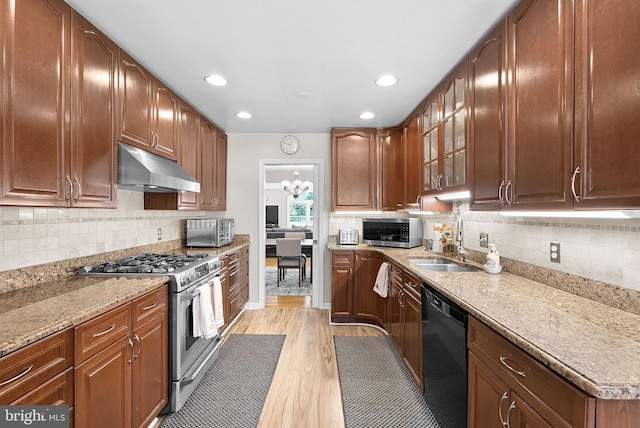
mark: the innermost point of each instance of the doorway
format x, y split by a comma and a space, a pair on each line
285, 213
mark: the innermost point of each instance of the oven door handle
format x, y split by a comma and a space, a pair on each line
188, 380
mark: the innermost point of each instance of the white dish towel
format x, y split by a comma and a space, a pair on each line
204, 322
382, 280
218, 304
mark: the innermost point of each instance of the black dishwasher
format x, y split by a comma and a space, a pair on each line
444, 358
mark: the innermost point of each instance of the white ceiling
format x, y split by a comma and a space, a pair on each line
272, 51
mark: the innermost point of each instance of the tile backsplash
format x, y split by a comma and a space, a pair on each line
32, 236
605, 250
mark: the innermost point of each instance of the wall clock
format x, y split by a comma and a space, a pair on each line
289, 144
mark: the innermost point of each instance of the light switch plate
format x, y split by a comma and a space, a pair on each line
484, 240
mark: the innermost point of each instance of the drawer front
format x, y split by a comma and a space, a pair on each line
95, 335
29, 367
147, 306
55, 392
412, 284
559, 402
342, 258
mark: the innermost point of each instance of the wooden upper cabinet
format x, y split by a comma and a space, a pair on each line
221, 171
212, 173
391, 177
57, 126
444, 135
454, 130
165, 121
93, 116
412, 167
607, 105
136, 98
35, 105
487, 139
354, 169
207, 162
188, 135
540, 119
148, 110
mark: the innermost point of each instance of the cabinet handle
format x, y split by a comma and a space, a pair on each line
18, 376
68, 179
79, 189
153, 305
503, 360
504, 397
511, 407
573, 184
500, 196
139, 346
400, 295
106, 331
506, 192
439, 183
133, 354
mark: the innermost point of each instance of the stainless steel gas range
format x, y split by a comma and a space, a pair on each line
189, 356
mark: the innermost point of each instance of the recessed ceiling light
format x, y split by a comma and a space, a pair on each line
216, 80
387, 80
367, 115
243, 115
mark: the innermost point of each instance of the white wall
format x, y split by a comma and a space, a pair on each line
243, 186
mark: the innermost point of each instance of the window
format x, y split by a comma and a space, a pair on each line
300, 210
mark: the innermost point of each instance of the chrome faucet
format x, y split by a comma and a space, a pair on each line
462, 253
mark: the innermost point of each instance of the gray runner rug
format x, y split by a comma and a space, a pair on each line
377, 388
233, 391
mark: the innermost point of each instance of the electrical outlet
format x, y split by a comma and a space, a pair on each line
484, 240
554, 252
159, 234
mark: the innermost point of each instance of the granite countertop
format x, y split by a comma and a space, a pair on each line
592, 345
30, 313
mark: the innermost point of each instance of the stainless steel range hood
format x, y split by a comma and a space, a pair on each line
143, 171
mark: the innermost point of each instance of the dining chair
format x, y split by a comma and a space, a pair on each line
301, 236
289, 253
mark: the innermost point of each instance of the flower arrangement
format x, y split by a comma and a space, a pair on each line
446, 233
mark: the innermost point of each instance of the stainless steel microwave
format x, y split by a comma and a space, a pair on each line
392, 232
210, 232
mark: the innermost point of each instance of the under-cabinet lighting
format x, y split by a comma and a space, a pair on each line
454, 196
574, 214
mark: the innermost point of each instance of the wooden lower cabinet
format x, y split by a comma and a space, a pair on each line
508, 387
353, 275
404, 320
103, 387
238, 280
125, 382
341, 285
367, 304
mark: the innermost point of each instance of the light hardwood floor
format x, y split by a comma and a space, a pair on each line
305, 391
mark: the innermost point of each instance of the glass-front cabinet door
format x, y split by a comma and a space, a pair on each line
444, 135
431, 147
453, 121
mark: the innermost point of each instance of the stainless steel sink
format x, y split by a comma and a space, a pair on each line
441, 265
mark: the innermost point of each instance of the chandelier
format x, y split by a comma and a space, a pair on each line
295, 187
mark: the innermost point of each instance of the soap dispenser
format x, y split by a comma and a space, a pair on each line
493, 260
